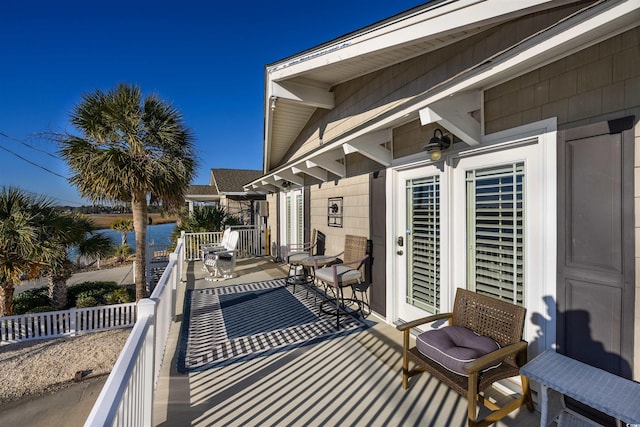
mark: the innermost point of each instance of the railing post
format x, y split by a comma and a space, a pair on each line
148, 257
175, 281
147, 307
73, 313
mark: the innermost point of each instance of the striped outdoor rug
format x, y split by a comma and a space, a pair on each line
233, 323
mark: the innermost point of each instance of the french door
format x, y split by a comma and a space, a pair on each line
478, 222
419, 240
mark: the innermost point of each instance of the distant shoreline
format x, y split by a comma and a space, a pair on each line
105, 220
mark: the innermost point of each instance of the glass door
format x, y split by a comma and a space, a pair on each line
419, 242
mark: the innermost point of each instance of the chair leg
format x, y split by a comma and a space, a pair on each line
405, 359
362, 302
472, 396
339, 300
526, 393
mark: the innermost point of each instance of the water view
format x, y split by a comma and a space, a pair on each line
158, 234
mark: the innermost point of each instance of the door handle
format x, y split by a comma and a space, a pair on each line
400, 252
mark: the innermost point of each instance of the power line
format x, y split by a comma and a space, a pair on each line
19, 141
37, 165
32, 163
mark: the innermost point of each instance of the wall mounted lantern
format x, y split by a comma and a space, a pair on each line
437, 145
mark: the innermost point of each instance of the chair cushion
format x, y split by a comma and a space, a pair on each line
453, 346
297, 257
345, 275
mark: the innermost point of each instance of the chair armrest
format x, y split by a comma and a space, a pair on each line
226, 252
211, 249
300, 246
422, 321
357, 262
494, 357
315, 261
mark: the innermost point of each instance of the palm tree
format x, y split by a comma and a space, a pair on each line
123, 226
71, 231
25, 249
130, 149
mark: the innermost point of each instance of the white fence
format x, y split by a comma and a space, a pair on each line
251, 242
127, 397
52, 324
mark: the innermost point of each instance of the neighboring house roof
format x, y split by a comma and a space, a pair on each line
231, 181
224, 182
202, 190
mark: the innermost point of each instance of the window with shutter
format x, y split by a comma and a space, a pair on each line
423, 243
299, 218
288, 219
495, 231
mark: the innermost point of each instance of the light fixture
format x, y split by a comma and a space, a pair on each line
437, 145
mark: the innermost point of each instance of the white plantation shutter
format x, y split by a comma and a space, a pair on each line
423, 243
299, 218
288, 219
495, 231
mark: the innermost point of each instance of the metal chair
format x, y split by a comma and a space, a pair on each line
296, 253
344, 274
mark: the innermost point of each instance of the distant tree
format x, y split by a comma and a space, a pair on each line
24, 250
124, 226
133, 150
71, 231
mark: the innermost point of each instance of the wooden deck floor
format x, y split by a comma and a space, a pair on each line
350, 380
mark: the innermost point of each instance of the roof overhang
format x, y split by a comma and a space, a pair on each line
201, 198
450, 102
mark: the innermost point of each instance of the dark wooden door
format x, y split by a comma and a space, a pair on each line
377, 227
595, 307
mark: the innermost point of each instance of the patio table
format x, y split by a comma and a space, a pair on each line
561, 376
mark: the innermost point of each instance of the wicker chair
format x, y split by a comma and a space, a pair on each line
501, 321
346, 272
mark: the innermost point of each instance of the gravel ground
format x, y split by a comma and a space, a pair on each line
37, 367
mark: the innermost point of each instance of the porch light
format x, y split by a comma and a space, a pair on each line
437, 145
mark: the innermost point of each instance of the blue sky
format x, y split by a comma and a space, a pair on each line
205, 57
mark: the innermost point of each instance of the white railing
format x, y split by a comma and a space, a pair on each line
251, 241
158, 252
53, 324
127, 396
193, 241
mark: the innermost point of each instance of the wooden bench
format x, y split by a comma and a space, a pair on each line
485, 316
561, 376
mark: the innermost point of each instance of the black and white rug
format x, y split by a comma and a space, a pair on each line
227, 324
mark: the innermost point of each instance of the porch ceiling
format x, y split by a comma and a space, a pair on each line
394, 41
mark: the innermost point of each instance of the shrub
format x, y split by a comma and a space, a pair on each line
122, 252
86, 301
27, 301
42, 309
119, 296
96, 290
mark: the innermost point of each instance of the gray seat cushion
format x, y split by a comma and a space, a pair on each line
345, 275
453, 346
297, 257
